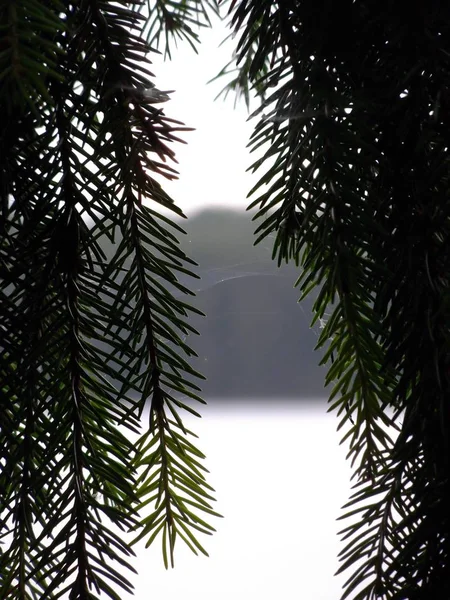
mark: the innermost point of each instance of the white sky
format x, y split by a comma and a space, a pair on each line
280, 475
212, 165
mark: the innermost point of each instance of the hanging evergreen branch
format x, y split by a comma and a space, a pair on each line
89, 343
176, 21
355, 141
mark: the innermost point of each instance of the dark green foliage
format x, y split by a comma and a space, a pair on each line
81, 142
177, 21
354, 133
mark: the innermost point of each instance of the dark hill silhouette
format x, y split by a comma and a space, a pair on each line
255, 340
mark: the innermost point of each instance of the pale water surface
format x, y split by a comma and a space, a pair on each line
281, 478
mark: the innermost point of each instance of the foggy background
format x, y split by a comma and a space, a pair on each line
272, 450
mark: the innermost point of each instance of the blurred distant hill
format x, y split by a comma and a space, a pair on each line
255, 340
